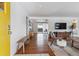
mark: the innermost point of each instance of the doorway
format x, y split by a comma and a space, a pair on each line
42, 28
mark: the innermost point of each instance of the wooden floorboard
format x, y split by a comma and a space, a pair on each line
33, 48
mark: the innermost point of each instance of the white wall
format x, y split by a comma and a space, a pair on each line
18, 25
67, 20
53, 20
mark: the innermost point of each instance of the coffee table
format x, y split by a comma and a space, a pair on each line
61, 42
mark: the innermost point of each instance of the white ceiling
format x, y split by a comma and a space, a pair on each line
51, 8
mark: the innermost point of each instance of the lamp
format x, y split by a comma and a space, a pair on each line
73, 25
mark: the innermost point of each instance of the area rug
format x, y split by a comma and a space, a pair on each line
66, 51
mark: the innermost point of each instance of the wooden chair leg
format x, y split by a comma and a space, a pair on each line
23, 48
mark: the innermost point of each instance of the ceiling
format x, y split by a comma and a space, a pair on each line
51, 8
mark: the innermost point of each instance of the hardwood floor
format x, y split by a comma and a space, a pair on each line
38, 44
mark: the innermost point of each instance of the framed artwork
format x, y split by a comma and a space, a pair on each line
1, 6
5, 7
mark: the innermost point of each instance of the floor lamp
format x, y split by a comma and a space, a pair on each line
73, 26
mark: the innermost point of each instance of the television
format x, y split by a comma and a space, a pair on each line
60, 25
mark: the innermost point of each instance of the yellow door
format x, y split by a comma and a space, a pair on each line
4, 30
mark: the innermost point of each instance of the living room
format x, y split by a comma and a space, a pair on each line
29, 15
60, 34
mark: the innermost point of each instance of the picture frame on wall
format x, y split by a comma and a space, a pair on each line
1, 6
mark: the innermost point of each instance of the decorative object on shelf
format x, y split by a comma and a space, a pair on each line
27, 25
30, 25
